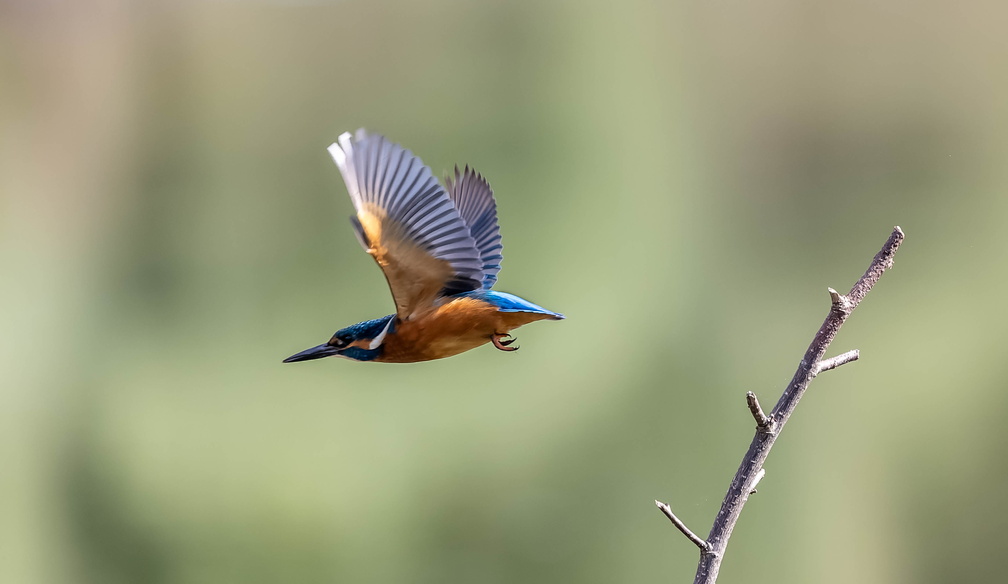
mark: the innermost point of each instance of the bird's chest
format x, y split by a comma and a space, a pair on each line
449, 330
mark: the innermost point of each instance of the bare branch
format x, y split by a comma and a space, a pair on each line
834, 362
696, 539
750, 471
763, 422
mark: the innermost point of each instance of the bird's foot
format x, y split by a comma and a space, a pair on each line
499, 341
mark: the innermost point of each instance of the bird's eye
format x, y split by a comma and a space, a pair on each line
338, 342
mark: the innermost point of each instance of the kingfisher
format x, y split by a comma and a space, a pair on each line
440, 250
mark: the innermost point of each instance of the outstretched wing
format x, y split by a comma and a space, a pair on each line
474, 199
407, 222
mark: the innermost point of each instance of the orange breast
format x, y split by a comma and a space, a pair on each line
456, 326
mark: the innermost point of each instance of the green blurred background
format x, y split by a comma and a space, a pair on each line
683, 180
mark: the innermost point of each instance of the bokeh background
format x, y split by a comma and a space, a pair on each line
682, 179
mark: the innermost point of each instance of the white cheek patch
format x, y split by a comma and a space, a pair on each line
377, 341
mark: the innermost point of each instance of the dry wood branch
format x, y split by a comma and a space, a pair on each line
834, 362
768, 428
696, 539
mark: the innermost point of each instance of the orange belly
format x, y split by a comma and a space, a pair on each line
454, 327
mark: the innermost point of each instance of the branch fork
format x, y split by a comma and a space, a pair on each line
764, 423
841, 303
834, 362
696, 539
768, 427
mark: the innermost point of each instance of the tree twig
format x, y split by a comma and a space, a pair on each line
834, 362
696, 539
768, 428
763, 422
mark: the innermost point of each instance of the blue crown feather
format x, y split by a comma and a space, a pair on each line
367, 330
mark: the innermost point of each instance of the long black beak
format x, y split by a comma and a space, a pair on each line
313, 353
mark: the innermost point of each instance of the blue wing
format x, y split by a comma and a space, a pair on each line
474, 199
407, 222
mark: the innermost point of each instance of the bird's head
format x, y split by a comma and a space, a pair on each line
360, 342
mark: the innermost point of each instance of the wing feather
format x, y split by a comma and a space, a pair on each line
408, 222
474, 199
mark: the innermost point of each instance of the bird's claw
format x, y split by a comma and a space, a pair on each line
503, 341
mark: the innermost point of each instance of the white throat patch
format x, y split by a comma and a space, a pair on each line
377, 341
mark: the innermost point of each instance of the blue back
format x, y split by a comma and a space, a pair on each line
508, 302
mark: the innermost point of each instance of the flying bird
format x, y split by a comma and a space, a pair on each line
440, 250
